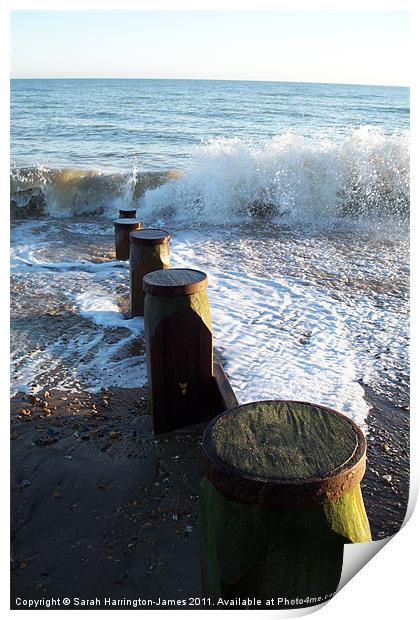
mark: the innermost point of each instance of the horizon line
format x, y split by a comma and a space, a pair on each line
192, 79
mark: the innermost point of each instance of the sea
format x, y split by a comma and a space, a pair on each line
292, 197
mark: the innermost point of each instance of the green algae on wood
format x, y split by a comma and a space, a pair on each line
284, 453
149, 251
263, 533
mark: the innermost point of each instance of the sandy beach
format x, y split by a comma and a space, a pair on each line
101, 508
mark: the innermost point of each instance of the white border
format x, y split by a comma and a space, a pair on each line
387, 586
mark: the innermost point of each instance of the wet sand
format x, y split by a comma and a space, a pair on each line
101, 508
387, 480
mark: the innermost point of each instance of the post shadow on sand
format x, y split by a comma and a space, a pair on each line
101, 524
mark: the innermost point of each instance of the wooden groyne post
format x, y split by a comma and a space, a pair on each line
123, 228
179, 348
128, 213
281, 498
149, 251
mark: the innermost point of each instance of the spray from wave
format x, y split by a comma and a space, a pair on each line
288, 178
291, 177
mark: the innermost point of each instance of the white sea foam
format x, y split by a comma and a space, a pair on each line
104, 311
26, 254
61, 364
89, 229
110, 366
61, 193
28, 260
281, 341
282, 338
290, 177
91, 358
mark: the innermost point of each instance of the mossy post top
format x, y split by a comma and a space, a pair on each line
174, 282
150, 236
128, 221
284, 453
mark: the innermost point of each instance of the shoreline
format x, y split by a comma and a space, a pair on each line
101, 508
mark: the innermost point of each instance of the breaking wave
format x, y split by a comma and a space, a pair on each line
68, 192
288, 178
292, 177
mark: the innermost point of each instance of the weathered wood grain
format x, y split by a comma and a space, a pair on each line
266, 551
123, 228
128, 213
284, 453
174, 282
224, 389
150, 236
149, 251
179, 349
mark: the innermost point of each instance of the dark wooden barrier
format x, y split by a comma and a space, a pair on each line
179, 348
123, 228
281, 498
128, 213
149, 251
224, 396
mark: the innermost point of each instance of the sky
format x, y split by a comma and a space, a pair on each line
358, 47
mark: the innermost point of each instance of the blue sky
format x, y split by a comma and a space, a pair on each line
362, 47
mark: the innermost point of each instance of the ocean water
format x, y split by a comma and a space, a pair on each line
294, 198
